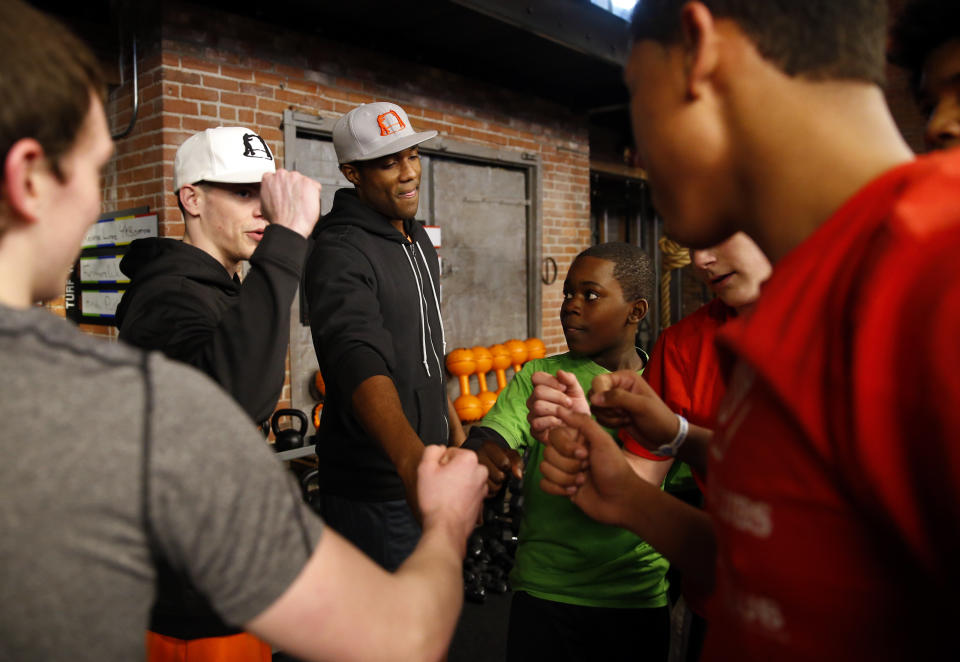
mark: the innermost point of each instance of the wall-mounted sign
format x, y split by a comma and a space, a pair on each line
99, 304
96, 283
102, 269
120, 230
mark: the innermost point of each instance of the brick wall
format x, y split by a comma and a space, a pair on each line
236, 70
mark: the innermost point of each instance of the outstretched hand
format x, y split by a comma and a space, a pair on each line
549, 395
624, 399
583, 462
290, 199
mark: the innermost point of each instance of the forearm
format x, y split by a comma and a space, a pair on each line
376, 405
681, 533
694, 449
345, 607
457, 435
245, 351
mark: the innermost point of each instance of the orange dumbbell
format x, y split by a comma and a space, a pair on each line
535, 348
484, 361
461, 364
518, 353
317, 387
501, 361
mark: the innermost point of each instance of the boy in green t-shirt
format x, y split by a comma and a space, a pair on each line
582, 590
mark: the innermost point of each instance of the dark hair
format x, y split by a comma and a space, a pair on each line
921, 28
47, 77
631, 267
816, 39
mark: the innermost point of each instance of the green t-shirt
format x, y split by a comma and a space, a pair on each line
564, 555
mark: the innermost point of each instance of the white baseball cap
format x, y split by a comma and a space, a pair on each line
372, 130
228, 154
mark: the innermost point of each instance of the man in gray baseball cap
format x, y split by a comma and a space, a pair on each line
186, 299
372, 285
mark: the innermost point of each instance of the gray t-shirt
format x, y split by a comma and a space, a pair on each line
110, 458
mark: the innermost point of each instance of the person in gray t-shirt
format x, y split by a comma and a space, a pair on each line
113, 459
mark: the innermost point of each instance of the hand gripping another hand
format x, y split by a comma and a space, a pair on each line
624, 399
451, 485
550, 394
583, 462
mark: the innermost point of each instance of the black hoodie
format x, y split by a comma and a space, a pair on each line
182, 302
374, 310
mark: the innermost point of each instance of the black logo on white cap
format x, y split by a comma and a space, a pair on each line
255, 147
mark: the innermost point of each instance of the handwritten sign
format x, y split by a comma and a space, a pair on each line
102, 269
99, 303
121, 230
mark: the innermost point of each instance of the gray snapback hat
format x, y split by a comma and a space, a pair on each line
372, 130
228, 154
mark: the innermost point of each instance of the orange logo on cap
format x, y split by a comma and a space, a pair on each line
390, 122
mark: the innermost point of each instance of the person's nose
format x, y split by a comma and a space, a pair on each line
408, 170
570, 306
702, 259
943, 127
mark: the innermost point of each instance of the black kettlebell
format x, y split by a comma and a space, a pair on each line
289, 438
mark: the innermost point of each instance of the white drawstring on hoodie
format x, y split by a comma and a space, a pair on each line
422, 305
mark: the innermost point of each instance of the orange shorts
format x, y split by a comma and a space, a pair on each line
241, 647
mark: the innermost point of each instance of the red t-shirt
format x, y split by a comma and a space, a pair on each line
835, 472
684, 369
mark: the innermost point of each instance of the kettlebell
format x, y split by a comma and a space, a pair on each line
289, 438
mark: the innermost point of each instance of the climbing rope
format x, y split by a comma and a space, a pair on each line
675, 256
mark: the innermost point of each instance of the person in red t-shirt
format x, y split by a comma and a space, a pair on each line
834, 474
684, 367
684, 370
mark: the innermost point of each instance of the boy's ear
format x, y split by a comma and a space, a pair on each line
23, 169
639, 311
701, 47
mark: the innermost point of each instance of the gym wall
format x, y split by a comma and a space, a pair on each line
205, 69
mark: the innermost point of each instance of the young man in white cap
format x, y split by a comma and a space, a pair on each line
372, 284
146, 460
186, 300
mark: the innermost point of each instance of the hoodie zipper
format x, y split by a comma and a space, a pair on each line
410, 250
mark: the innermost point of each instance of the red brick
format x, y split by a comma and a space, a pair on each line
271, 106
305, 86
194, 124
243, 100
268, 78
180, 76
221, 83
236, 72
187, 62
272, 135
257, 90
179, 107
198, 93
